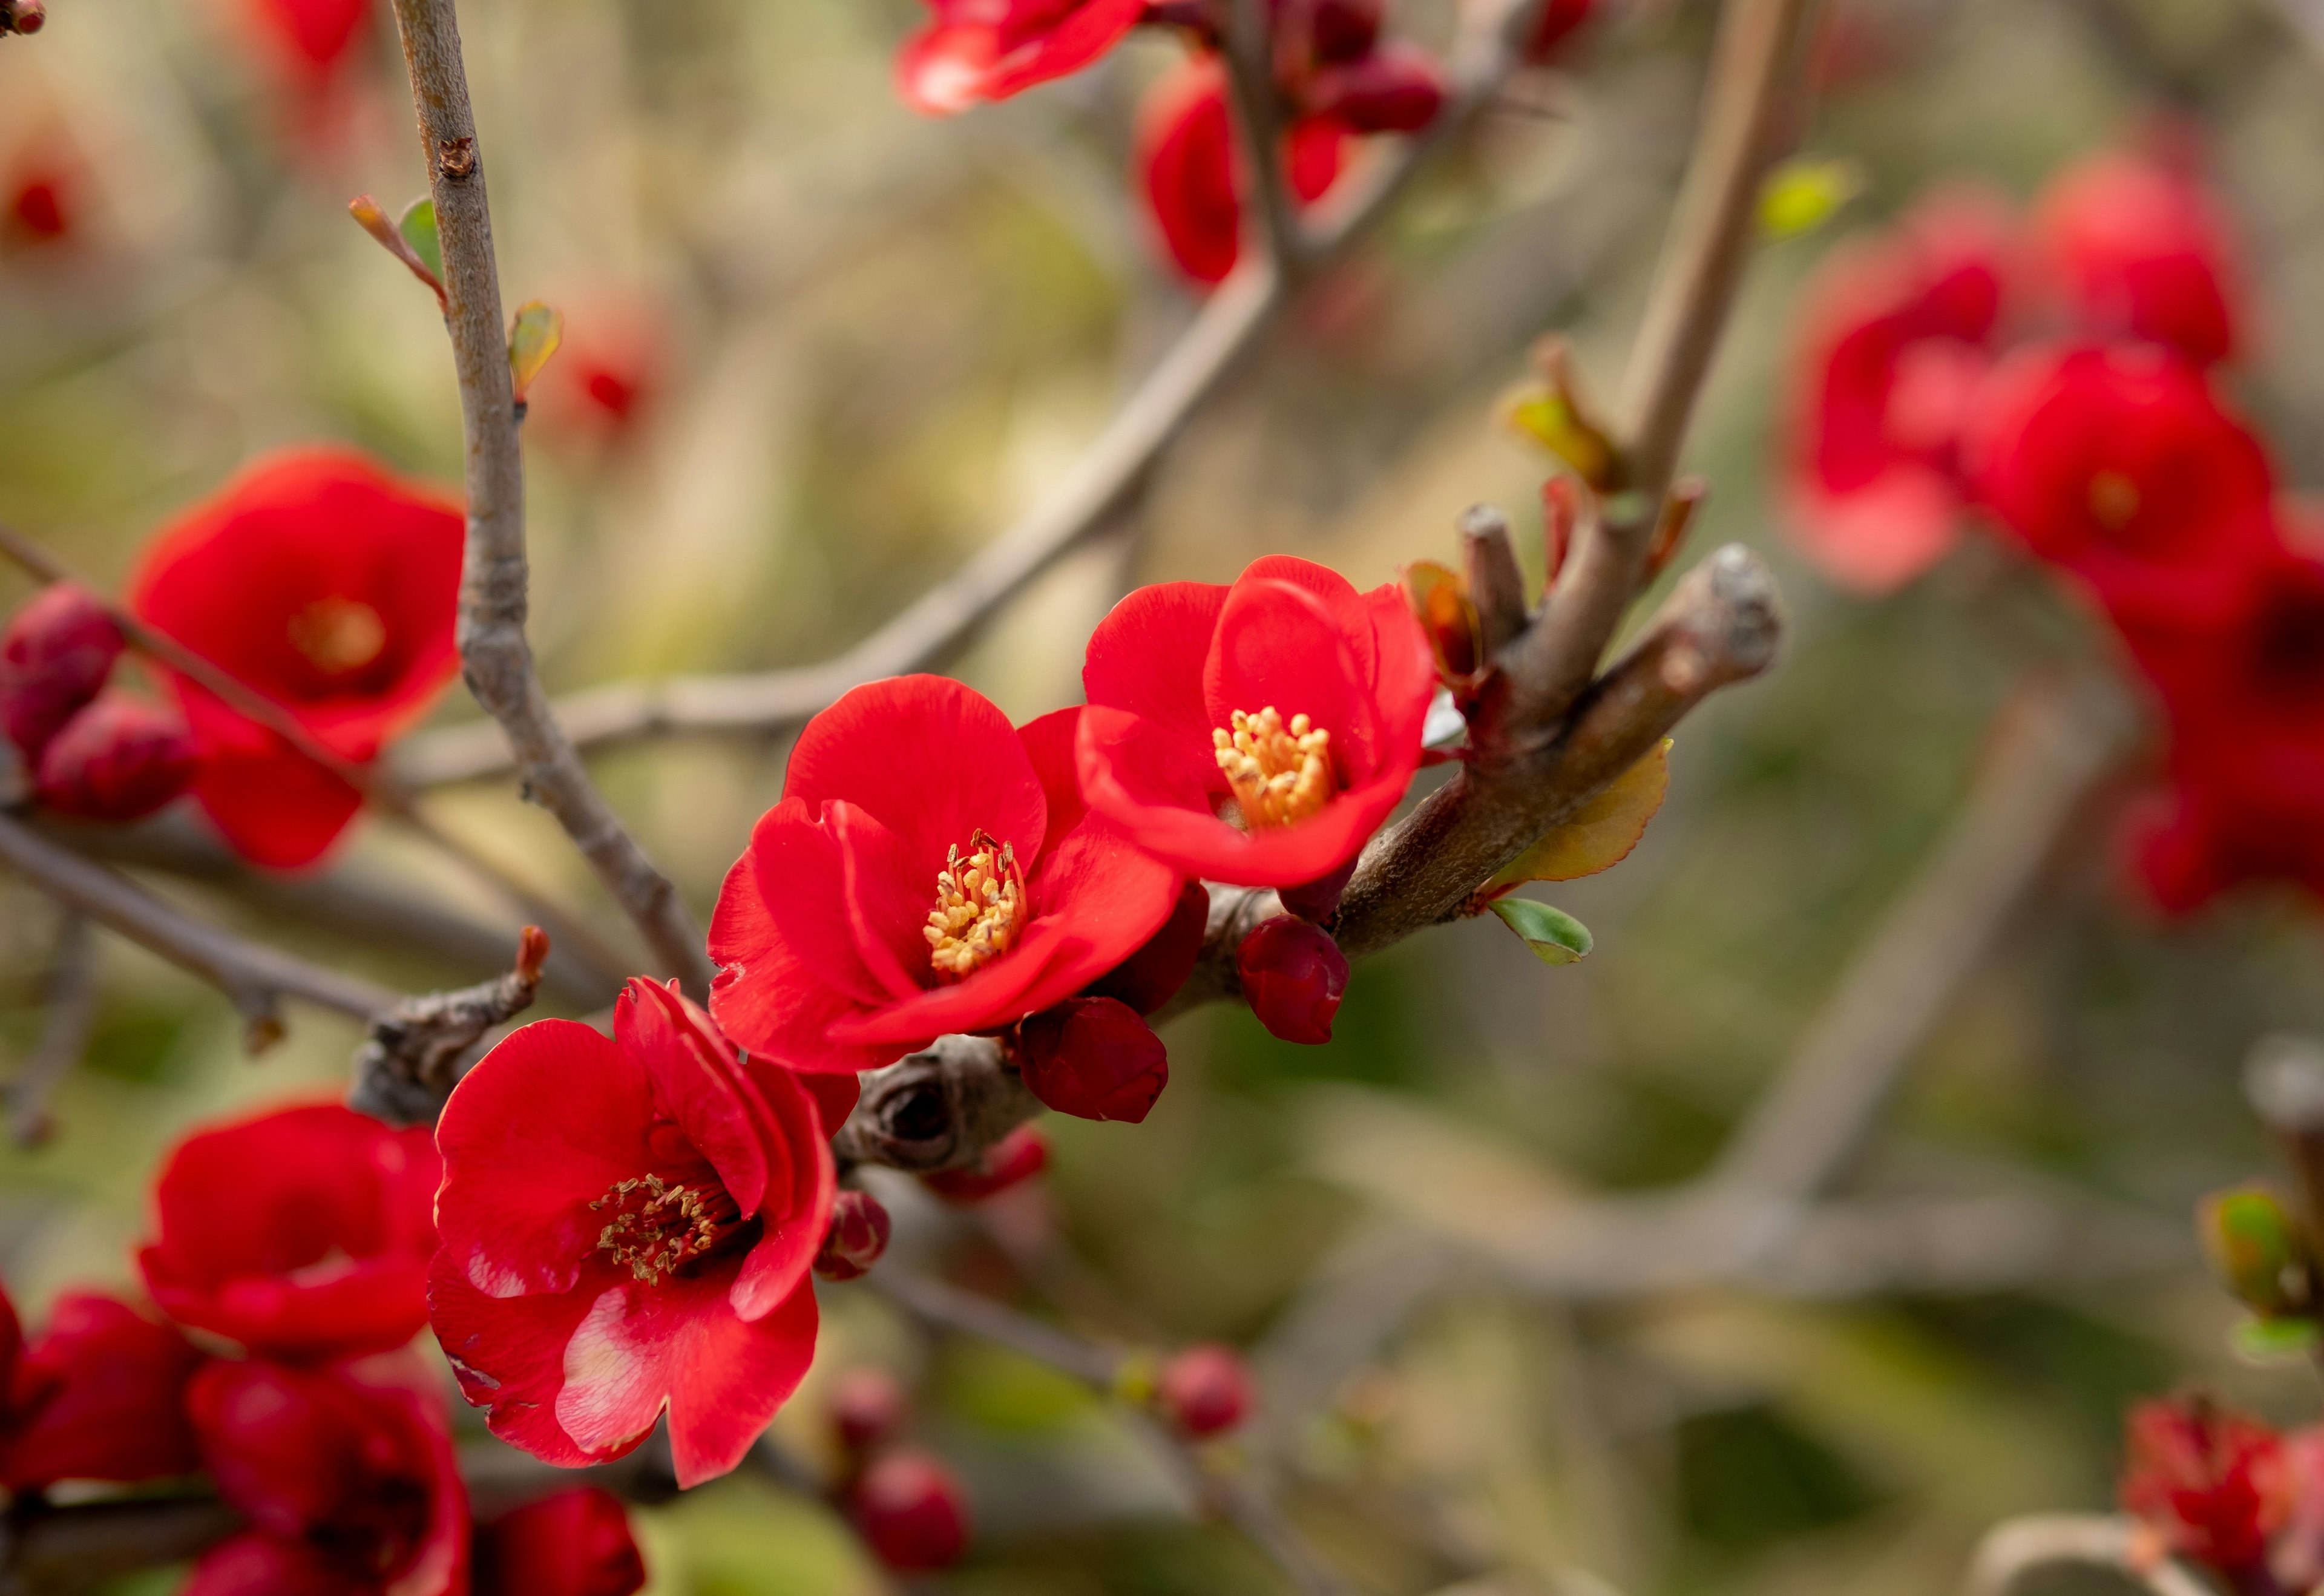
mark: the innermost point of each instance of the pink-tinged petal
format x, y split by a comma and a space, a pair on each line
694, 1079
617, 1376
509, 1353
733, 1376
1337, 594
990, 998
795, 871
885, 903
1876, 539
1279, 646
543, 1125
929, 759
942, 72
1147, 657
1049, 743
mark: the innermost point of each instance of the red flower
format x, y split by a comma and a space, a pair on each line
98, 1394
930, 870
2212, 1483
323, 583
345, 1474
312, 37
2140, 251
627, 1226
1188, 164
1557, 21
988, 50
1289, 701
2120, 465
1894, 344
577, 1543
302, 1233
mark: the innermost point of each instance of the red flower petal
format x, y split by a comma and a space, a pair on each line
1280, 645
99, 1395
1137, 661
735, 1375
885, 899
694, 1075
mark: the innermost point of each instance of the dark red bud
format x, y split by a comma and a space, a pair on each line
1151, 976
868, 1408
30, 17
1319, 899
1204, 1391
858, 1236
54, 657
1397, 89
120, 758
577, 1543
1093, 1058
1015, 1157
532, 953
1343, 30
1293, 976
909, 1510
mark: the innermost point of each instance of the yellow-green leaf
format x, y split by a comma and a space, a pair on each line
538, 330
2262, 1339
1555, 937
1542, 415
1807, 191
1601, 835
418, 225
1439, 599
2256, 1248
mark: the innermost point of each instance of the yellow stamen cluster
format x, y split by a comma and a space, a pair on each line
980, 908
1279, 773
339, 634
675, 1224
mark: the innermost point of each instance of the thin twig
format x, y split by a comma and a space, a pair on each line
68, 1014
2014, 1552
253, 977
1273, 224
495, 657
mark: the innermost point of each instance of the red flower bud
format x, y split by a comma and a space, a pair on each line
1093, 1058
909, 1510
858, 1236
1151, 976
1343, 30
1397, 89
54, 657
1293, 975
1015, 1157
119, 759
868, 1408
1204, 1391
577, 1543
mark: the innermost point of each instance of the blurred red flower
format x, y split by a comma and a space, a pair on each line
930, 869
312, 37
988, 50
302, 1233
577, 1543
628, 1226
345, 1473
326, 585
1290, 702
2120, 465
910, 1511
1188, 165
98, 1394
2212, 1483
1894, 340
2138, 250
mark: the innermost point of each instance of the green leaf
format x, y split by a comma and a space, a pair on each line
418, 225
1807, 191
2276, 1341
1601, 835
534, 337
1551, 421
2256, 1248
1555, 937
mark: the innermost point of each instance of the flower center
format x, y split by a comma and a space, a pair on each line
339, 635
980, 908
1279, 773
660, 1226
2114, 499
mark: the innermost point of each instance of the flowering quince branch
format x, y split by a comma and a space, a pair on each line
495, 657
68, 1014
1259, 116
409, 1063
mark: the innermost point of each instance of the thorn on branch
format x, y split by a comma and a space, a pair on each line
939, 1109
413, 1057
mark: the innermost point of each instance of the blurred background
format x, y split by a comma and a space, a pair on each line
820, 349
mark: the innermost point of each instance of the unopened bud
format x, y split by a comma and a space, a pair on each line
55, 656
910, 1512
857, 1236
576, 1543
120, 758
868, 1409
1151, 976
2258, 1250
1293, 976
1093, 1058
28, 16
1015, 1159
1344, 30
1204, 1391
1397, 89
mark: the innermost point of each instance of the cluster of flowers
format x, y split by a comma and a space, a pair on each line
1332, 73
2099, 442
2228, 1493
289, 1260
